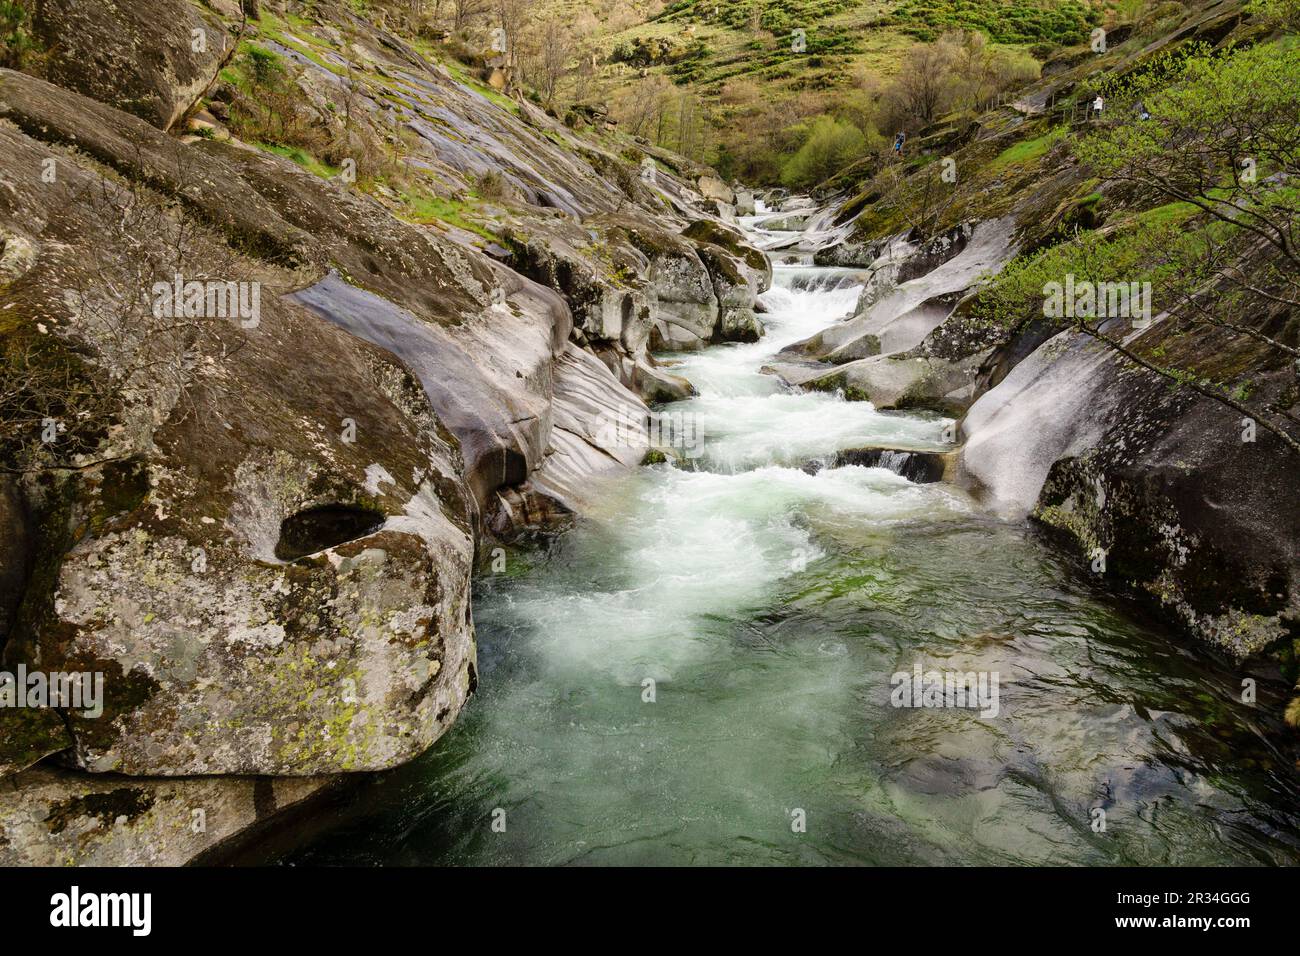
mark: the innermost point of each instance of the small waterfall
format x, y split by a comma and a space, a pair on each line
821, 279
895, 461
920, 467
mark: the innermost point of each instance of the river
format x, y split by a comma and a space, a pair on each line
701, 673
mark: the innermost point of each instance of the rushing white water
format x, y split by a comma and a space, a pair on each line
711, 652
749, 419
714, 539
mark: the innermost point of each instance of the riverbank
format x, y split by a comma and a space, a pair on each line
276, 539
710, 658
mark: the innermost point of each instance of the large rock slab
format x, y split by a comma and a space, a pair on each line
265, 548
686, 305
153, 58
50, 817
896, 318
601, 275
601, 431
740, 274
905, 381
1153, 488
211, 188
490, 379
1051, 405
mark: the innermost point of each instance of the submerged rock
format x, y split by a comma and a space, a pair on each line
905, 381
922, 467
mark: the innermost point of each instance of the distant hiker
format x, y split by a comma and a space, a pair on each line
898, 143
1097, 106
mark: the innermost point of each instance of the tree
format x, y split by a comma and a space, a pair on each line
512, 16
1221, 150
1169, 257
924, 82
981, 71
922, 197
464, 12
690, 127
642, 109
555, 49
1221, 136
829, 147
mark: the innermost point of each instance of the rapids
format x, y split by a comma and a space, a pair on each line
707, 660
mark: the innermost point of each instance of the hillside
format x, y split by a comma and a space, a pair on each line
1169, 465
737, 82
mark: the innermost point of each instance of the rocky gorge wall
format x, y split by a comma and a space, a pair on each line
1161, 493
1156, 491
261, 530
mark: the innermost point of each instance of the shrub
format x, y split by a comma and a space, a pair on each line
1012, 21
829, 147
492, 185
17, 46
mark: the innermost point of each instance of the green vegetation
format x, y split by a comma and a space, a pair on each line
1279, 13
458, 71
1006, 21
1219, 246
302, 158
739, 84
831, 145
1028, 150
263, 103
755, 74
776, 16
17, 45
1017, 295
1170, 214
265, 109
420, 206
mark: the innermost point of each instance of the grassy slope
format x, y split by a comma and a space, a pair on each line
711, 44
1010, 161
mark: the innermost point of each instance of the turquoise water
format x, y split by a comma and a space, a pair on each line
770, 607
